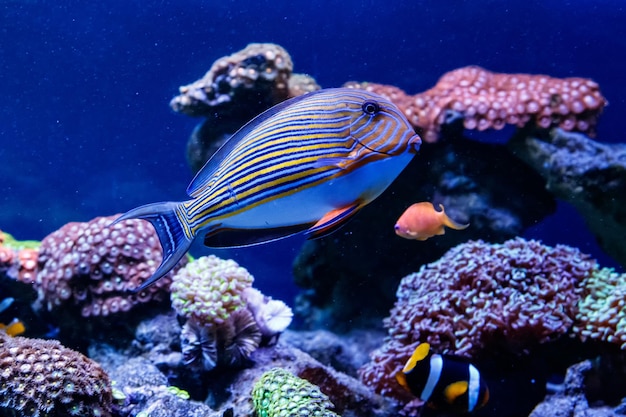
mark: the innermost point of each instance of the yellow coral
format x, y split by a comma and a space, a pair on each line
602, 308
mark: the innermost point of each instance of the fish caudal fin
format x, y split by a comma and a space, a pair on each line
167, 225
447, 221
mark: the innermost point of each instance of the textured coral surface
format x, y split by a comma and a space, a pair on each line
479, 296
488, 100
44, 378
93, 266
601, 312
209, 289
280, 393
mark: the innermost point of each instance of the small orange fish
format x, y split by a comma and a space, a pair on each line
421, 221
14, 328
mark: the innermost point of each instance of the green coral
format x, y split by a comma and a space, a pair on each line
602, 308
11, 242
278, 393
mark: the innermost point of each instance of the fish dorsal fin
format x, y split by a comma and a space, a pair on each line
419, 354
204, 176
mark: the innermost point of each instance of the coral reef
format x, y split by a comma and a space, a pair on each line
209, 289
18, 260
228, 343
226, 317
486, 100
260, 67
601, 311
93, 267
143, 372
280, 393
474, 181
271, 316
499, 297
570, 400
589, 175
44, 378
237, 88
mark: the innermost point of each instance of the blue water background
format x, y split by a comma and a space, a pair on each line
85, 127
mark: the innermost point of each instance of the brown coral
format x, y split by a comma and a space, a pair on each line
501, 297
44, 378
488, 100
260, 66
93, 266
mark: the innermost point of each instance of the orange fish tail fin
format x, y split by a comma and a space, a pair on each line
448, 222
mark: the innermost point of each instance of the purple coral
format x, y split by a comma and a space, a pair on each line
94, 266
481, 296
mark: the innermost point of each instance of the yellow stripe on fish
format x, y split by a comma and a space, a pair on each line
305, 165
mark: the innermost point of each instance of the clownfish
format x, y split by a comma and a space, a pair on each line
443, 382
421, 221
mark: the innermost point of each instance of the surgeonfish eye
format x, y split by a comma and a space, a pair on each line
370, 107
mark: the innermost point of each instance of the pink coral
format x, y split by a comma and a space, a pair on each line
488, 100
17, 261
94, 266
478, 297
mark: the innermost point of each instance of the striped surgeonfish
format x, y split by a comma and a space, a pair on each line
306, 164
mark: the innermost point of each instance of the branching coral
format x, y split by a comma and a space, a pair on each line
93, 266
602, 309
279, 393
488, 100
478, 296
44, 378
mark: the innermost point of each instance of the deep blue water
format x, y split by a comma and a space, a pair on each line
85, 127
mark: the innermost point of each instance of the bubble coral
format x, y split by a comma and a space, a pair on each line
44, 378
488, 100
209, 289
279, 393
502, 297
93, 266
601, 311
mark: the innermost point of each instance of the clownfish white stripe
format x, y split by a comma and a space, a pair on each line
473, 389
436, 365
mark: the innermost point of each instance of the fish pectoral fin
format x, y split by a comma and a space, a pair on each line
219, 237
333, 220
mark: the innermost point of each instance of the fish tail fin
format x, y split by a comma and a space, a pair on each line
447, 221
168, 223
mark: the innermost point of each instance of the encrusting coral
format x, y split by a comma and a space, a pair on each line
601, 311
43, 378
479, 296
94, 266
488, 100
279, 393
